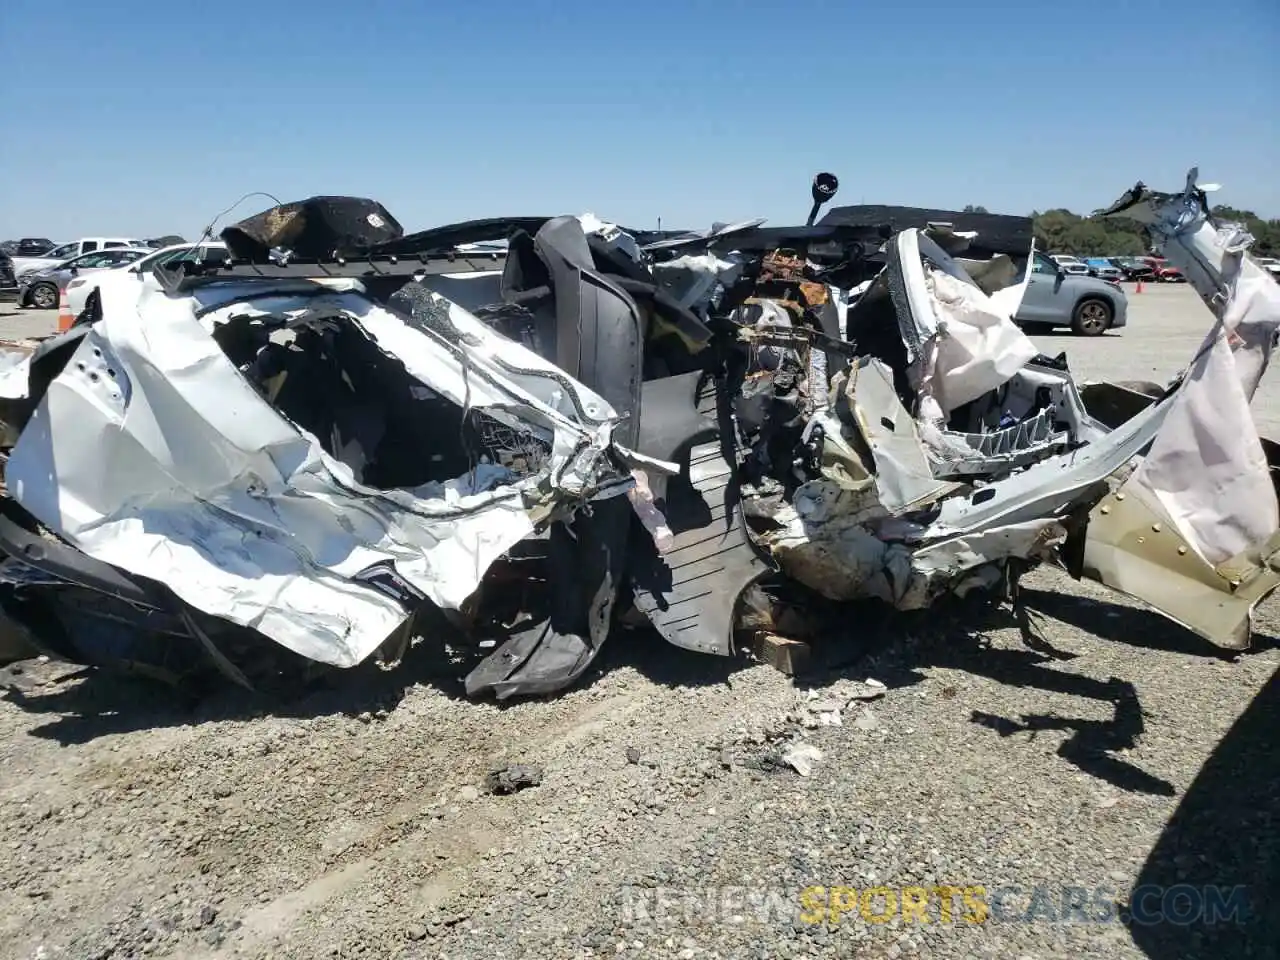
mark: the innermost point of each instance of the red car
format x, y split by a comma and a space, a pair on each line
1163, 272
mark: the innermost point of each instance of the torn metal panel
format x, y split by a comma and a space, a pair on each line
1040, 387
613, 236
823, 540
960, 343
1113, 403
1052, 486
1207, 470
1130, 547
152, 452
15, 380
947, 566
903, 475
1037, 413
954, 454
1006, 293
1213, 257
834, 542
470, 290
696, 280
994, 233
15, 366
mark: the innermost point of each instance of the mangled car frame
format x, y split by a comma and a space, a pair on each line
530, 425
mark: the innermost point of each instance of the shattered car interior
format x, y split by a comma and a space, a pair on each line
531, 429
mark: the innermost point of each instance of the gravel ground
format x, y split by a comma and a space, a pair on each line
16, 322
1120, 755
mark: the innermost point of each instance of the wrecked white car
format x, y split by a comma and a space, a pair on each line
520, 422
284, 456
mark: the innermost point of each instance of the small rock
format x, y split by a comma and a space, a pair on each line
867, 721
633, 755
1108, 803
468, 793
416, 932
865, 694
873, 682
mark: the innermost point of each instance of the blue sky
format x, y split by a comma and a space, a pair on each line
152, 121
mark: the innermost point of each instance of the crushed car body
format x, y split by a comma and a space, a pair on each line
528, 423
249, 451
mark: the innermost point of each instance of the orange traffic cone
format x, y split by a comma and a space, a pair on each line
64, 311
1138, 289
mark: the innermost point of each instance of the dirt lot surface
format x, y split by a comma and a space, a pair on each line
1119, 760
16, 323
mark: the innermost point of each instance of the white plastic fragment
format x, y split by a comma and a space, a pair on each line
800, 756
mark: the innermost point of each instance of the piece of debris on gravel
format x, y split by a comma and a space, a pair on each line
518, 776
801, 756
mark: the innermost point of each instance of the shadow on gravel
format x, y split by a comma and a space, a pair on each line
91, 703
84, 703
1216, 866
952, 635
1134, 626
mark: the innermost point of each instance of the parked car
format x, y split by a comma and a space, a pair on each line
25, 264
7, 281
1056, 297
78, 290
1134, 268
1104, 269
27, 247
1069, 264
39, 288
168, 240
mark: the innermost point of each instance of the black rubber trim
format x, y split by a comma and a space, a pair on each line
67, 563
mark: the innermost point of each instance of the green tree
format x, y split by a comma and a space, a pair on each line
1061, 231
